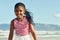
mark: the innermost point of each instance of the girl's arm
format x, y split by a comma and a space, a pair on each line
11, 31
33, 32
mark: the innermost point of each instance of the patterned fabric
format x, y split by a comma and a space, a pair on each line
22, 28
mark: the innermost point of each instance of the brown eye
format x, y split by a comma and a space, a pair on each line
20, 10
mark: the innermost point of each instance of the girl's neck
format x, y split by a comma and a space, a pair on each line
20, 19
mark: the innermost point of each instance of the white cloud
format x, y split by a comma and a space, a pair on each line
57, 15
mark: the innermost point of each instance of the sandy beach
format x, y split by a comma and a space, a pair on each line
40, 38
49, 38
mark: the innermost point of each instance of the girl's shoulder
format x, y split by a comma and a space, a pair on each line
12, 22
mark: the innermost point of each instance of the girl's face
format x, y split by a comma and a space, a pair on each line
19, 11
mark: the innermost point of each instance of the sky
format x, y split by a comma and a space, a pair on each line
44, 11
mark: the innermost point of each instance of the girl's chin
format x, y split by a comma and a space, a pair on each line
19, 17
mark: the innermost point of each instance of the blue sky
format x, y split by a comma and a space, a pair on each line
44, 11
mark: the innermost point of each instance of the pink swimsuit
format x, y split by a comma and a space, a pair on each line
21, 28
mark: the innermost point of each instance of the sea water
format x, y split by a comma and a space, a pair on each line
42, 35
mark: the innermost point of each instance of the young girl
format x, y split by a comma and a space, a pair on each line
23, 24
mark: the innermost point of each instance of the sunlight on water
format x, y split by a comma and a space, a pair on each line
40, 34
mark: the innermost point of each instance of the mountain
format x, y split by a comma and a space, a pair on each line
37, 26
4, 27
47, 27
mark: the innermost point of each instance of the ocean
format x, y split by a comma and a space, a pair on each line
43, 31
42, 35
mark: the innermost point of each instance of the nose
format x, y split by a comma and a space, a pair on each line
19, 12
